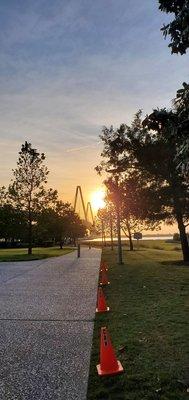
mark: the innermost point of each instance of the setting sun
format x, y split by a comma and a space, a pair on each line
97, 199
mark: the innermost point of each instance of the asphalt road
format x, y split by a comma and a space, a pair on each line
47, 309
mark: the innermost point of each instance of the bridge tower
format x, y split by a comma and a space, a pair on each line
86, 210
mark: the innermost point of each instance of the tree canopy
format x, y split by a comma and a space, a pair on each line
146, 152
178, 28
181, 104
32, 213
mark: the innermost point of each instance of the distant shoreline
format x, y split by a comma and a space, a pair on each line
124, 238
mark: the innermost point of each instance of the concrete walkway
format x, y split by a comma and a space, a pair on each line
47, 309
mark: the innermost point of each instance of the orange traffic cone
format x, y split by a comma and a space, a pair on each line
109, 365
101, 302
103, 278
103, 266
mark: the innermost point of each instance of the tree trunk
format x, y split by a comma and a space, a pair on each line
111, 233
102, 228
131, 243
130, 238
183, 237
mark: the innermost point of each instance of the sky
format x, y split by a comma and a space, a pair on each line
67, 68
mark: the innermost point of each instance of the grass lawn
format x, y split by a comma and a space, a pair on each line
148, 324
152, 244
38, 253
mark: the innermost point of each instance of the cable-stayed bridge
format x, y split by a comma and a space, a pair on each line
87, 212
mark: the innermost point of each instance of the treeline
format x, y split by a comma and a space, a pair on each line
31, 214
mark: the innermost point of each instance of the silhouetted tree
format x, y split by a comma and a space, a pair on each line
181, 103
27, 190
59, 224
105, 222
69, 224
3, 195
178, 29
12, 223
136, 210
148, 150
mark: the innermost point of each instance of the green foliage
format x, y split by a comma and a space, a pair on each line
3, 196
178, 29
13, 224
27, 190
144, 156
181, 104
59, 224
31, 213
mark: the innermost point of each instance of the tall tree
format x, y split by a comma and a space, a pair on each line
138, 204
149, 150
181, 104
136, 211
105, 222
27, 190
178, 29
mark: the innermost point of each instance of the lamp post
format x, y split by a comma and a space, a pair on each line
102, 228
117, 204
111, 232
117, 208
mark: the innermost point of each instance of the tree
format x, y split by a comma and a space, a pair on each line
181, 104
3, 195
59, 224
105, 222
172, 183
178, 29
45, 229
148, 151
12, 223
135, 206
69, 224
136, 203
12, 219
27, 191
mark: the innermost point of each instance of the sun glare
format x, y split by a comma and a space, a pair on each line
97, 199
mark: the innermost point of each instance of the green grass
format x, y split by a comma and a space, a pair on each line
38, 253
148, 324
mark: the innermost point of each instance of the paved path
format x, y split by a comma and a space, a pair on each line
46, 325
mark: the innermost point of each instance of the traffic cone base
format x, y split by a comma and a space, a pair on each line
100, 311
109, 365
118, 370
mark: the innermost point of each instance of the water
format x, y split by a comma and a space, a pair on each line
146, 237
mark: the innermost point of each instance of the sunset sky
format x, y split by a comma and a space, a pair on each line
69, 67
